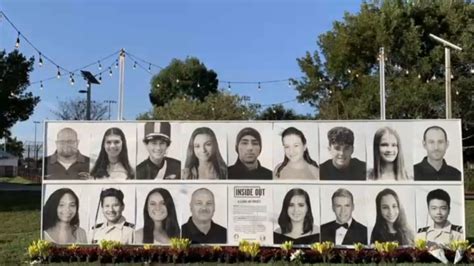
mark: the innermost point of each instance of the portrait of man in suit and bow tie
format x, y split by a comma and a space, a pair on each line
345, 230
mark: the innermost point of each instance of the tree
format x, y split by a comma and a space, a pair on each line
75, 109
345, 84
217, 106
15, 104
188, 78
278, 112
14, 147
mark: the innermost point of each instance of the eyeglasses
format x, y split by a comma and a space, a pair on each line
68, 142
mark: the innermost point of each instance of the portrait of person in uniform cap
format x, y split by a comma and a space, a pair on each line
115, 227
158, 166
248, 146
433, 166
342, 166
345, 230
67, 162
441, 231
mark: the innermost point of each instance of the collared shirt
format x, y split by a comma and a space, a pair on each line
356, 171
341, 233
55, 170
425, 172
441, 235
169, 169
121, 231
240, 171
216, 234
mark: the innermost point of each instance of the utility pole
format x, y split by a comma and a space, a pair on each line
35, 148
109, 102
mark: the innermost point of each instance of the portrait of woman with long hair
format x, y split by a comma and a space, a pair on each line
391, 221
296, 219
389, 163
113, 162
297, 163
203, 158
61, 218
159, 219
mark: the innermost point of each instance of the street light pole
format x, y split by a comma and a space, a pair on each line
382, 82
447, 70
109, 102
90, 80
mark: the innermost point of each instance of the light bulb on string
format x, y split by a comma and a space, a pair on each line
452, 76
407, 72
58, 74
100, 65
41, 85
228, 86
149, 67
289, 83
472, 70
71, 79
357, 75
457, 92
259, 87
17, 43
199, 85
116, 63
177, 80
273, 110
349, 71
110, 71
419, 76
433, 77
157, 85
100, 77
135, 65
40, 60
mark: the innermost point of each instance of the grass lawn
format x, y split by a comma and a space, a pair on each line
16, 180
20, 220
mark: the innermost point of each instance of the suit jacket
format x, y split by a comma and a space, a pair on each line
355, 233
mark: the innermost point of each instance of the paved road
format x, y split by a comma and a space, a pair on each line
18, 187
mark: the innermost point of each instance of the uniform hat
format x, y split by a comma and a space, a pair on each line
154, 130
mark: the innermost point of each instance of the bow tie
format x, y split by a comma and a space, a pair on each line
345, 225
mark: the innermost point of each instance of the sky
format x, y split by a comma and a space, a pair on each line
241, 40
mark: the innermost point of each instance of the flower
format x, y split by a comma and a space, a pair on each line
39, 248
358, 246
108, 245
459, 245
387, 247
180, 244
286, 246
297, 256
249, 248
421, 244
322, 248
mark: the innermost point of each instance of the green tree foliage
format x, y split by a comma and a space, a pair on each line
345, 85
76, 109
279, 112
15, 104
14, 147
188, 78
216, 106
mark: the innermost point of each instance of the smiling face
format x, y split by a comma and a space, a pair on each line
343, 208
67, 208
202, 206
157, 207
435, 144
341, 155
249, 149
388, 148
294, 147
157, 149
203, 147
389, 208
297, 208
112, 209
113, 145
439, 211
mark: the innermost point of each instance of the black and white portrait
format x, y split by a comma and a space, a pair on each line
205, 219
204, 150
114, 151
440, 214
343, 214
249, 149
296, 214
112, 213
158, 213
158, 151
437, 151
342, 150
389, 151
391, 214
67, 151
65, 213
295, 151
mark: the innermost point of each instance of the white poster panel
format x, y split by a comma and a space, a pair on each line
437, 148
249, 211
391, 207
297, 152
296, 209
66, 140
204, 144
164, 206
65, 203
440, 213
171, 168
205, 215
247, 151
343, 214
117, 141
391, 157
103, 217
